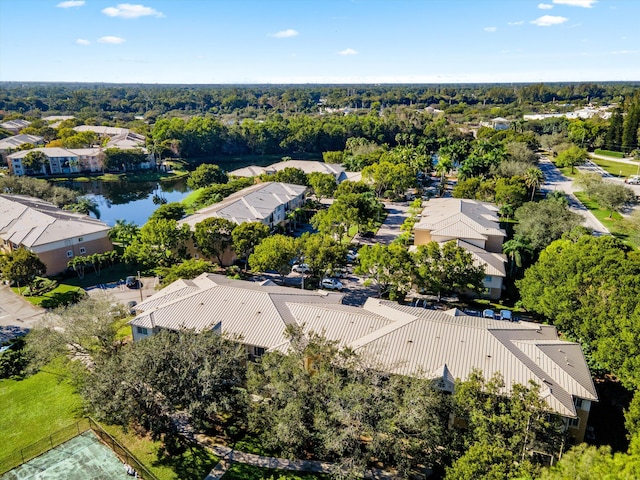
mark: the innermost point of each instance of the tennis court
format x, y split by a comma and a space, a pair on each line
83, 457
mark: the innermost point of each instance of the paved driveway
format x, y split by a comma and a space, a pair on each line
17, 316
122, 294
390, 229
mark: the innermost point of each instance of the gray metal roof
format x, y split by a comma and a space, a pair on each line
17, 140
33, 222
251, 204
461, 218
397, 338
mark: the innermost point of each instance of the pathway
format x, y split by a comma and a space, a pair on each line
229, 456
555, 180
17, 315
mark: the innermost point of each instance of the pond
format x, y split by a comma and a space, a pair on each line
130, 201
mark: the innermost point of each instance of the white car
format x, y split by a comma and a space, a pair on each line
339, 273
331, 284
301, 268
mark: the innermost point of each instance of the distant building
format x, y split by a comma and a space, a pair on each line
7, 145
307, 166
14, 126
500, 123
60, 161
475, 226
402, 340
267, 203
54, 235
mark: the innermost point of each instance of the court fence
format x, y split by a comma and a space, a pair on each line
22, 455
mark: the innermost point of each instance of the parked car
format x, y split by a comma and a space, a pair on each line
633, 180
131, 307
506, 315
352, 256
133, 282
367, 234
331, 284
339, 273
301, 268
488, 313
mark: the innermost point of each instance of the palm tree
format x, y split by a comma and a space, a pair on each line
78, 264
443, 167
533, 178
86, 206
518, 250
123, 232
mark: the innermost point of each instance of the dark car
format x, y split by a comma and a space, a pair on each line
132, 282
367, 234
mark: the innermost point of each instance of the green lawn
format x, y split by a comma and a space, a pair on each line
615, 224
39, 405
193, 464
36, 407
617, 169
62, 292
241, 471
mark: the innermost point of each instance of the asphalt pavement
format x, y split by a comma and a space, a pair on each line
17, 316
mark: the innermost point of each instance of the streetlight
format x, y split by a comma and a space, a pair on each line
140, 286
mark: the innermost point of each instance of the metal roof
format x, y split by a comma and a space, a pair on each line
397, 338
33, 222
441, 214
251, 204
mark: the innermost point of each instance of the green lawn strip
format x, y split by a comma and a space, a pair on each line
242, 471
617, 169
190, 199
36, 407
608, 153
194, 463
61, 291
615, 225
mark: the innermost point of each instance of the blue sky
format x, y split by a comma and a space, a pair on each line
319, 41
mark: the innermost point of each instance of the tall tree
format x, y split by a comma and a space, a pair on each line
205, 175
274, 253
387, 266
571, 157
446, 269
21, 266
543, 222
246, 236
322, 252
160, 243
533, 179
34, 162
213, 236
323, 184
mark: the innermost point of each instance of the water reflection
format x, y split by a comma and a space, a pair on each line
131, 201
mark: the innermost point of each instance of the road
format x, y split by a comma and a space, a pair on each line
555, 180
17, 316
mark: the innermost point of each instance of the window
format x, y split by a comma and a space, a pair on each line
83, 250
69, 253
142, 330
577, 402
81, 239
258, 351
574, 422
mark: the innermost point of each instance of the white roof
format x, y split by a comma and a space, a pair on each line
102, 130
18, 124
126, 141
50, 152
396, 338
33, 222
460, 218
494, 263
307, 166
251, 204
17, 140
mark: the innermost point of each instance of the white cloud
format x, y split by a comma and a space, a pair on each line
111, 39
490, 29
127, 10
286, 33
548, 20
520, 22
624, 52
576, 3
71, 3
347, 51
545, 6
82, 41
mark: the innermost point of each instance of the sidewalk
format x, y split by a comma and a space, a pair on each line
17, 315
627, 160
